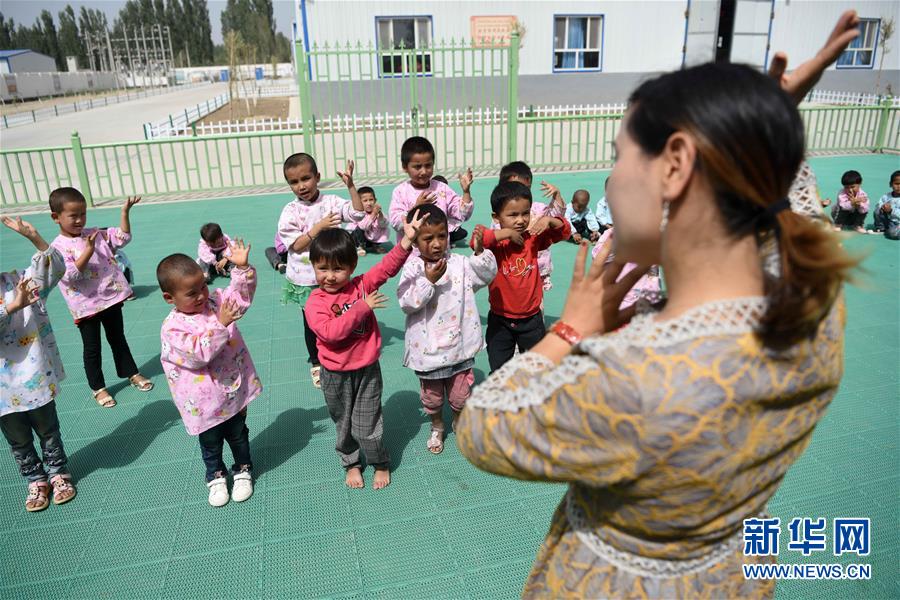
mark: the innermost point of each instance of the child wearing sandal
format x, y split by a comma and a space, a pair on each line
30, 372
94, 287
340, 313
443, 327
302, 219
209, 370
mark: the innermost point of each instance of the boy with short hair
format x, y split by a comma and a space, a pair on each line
579, 215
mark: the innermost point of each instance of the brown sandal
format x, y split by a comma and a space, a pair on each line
63, 490
38, 492
142, 385
106, 401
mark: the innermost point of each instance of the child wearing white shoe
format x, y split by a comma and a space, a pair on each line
207, 364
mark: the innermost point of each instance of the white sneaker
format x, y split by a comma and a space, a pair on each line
218, 492
243, 486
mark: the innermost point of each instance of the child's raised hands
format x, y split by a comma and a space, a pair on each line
26, 295
229, 312
23, 228
426, 197
556, 199
239, 252
435, 270
539, 225
478, 239
376, 300
130, 201
329, 221
411, 227
347, 175
465, 180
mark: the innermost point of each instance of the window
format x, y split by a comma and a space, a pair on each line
577, 42
861, 51
396, 37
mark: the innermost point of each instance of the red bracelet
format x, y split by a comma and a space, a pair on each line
567, 333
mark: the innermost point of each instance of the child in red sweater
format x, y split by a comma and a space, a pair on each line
515, 318
340, 313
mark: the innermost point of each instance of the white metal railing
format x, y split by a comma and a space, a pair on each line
181, 123
846, 98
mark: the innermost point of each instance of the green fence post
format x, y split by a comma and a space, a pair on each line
81, 168
882, 124
301, 65
512, 110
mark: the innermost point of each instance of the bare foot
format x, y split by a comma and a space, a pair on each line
382, 479
355, 478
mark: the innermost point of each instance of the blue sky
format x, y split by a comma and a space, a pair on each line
26, 11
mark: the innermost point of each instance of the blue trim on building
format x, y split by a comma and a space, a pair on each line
769, 37
306, 37
598, 69
874, 48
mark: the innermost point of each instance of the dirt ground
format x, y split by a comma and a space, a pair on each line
262, 108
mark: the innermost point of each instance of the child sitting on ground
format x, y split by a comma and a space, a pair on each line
213, 251
516, 294
443, 327
852, 204
581, 218
305, 217
209, 370
277, 255
417, 159
31, 371
520, 172
370, 233
340, 313
603, 214
887, 212
94, 288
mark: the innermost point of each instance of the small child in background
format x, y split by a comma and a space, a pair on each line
417, 159
30, 372
213, 251
516, 294
302, 219
647, 287
94, 288
520, 172
370, 233
603, 214
579, 214
207, 364
887, 211
277, 255
443, 327
123, 263
340, 313
852, 204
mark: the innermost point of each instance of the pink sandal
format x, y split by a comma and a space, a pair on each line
435, 443
38, 492
63, 490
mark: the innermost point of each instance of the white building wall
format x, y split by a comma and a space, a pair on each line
31, 62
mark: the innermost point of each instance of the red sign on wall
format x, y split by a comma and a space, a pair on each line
491, 30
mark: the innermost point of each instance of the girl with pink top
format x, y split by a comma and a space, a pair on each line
94, 287
370, 233
852, 204
340, 313
207, 364
647, 287
443, 327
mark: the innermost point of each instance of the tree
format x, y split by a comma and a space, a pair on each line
51, 39
69, 42
887, 32
254, 20
7, 31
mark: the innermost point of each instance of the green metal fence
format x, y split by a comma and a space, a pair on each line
427, 102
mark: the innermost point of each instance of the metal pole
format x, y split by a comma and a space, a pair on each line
146, 57
512, 108
112, 59
130, 61
171, 56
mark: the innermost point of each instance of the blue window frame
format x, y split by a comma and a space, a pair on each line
395, 36
860, 54
578, 43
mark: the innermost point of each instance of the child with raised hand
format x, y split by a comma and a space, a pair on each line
417, 159
887, 211
94, 287
370, 233
443, 327
579, 215
213, 251
520, 172
852, 204
207, 364
340, 313
30, 372
302, 219
516, 294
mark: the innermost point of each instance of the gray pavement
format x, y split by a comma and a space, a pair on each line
118, 123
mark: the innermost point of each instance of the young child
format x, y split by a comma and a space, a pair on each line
443, 327
277, 255
520, 172
887, 211
603, 214
579, 215
213, 251
852, 205
209, 370
417, 159
516, 294
30, 372
370, 233
340, 314
306, 216
647, 287
94, 288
